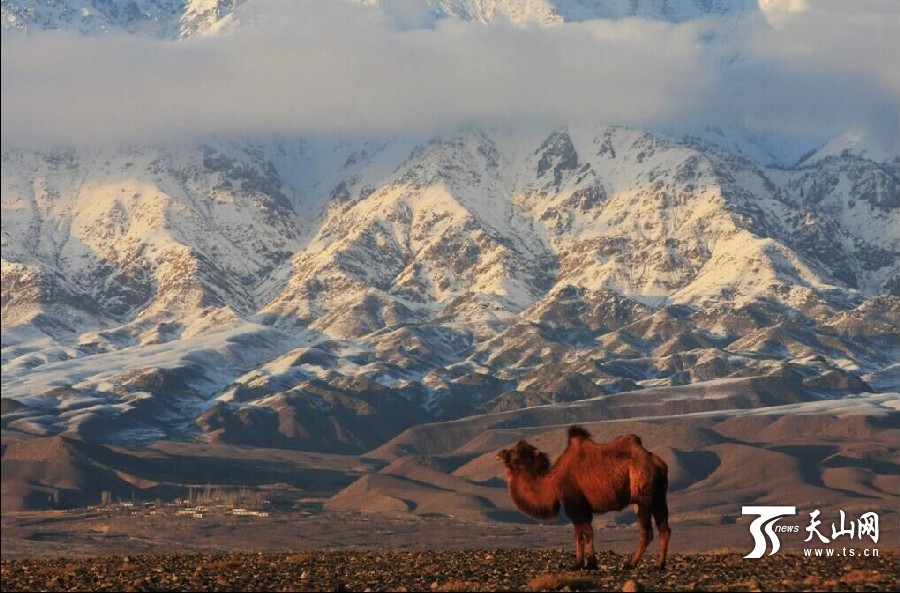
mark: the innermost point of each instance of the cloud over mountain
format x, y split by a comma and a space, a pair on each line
306, 67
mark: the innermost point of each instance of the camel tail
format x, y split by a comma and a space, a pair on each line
660, 508
661, 485
577, 432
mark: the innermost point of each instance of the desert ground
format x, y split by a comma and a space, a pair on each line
473, 570
49, 534
346, 551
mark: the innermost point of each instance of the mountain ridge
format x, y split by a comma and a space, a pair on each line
225, 290
182, 19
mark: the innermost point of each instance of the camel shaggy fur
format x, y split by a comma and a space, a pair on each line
592, 478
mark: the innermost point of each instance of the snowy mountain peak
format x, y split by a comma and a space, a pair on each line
160, 18
186, 18
550, 12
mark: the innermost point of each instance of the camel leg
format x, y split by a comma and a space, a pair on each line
579, 546
661, 514
579, 512
646, 528
590, 558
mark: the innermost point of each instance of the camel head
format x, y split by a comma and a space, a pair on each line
524, 457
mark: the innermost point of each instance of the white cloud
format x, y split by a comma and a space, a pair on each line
301, 67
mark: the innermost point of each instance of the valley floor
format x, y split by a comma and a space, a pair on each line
475, 570
89, 533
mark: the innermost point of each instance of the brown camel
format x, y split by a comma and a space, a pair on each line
592, 478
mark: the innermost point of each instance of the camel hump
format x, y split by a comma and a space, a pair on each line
659, 463
634, 439
577, 432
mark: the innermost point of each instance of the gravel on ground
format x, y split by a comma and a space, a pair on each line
478, 570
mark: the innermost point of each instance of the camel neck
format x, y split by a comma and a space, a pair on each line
535, 495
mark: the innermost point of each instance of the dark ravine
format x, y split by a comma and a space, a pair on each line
477, 570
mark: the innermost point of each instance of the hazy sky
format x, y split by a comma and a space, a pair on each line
303, 67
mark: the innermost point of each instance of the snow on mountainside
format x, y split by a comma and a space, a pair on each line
854, 143
161, 18
184, 18
280, 293
170, 19
148, 231
553, 11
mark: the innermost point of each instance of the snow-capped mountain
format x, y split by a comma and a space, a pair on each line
185, 18
161, 18
304, 293
549, 12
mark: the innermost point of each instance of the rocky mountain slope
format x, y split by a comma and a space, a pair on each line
326, 294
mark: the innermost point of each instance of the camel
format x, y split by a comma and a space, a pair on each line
592, 478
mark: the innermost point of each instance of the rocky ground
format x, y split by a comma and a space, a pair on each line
484, 570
